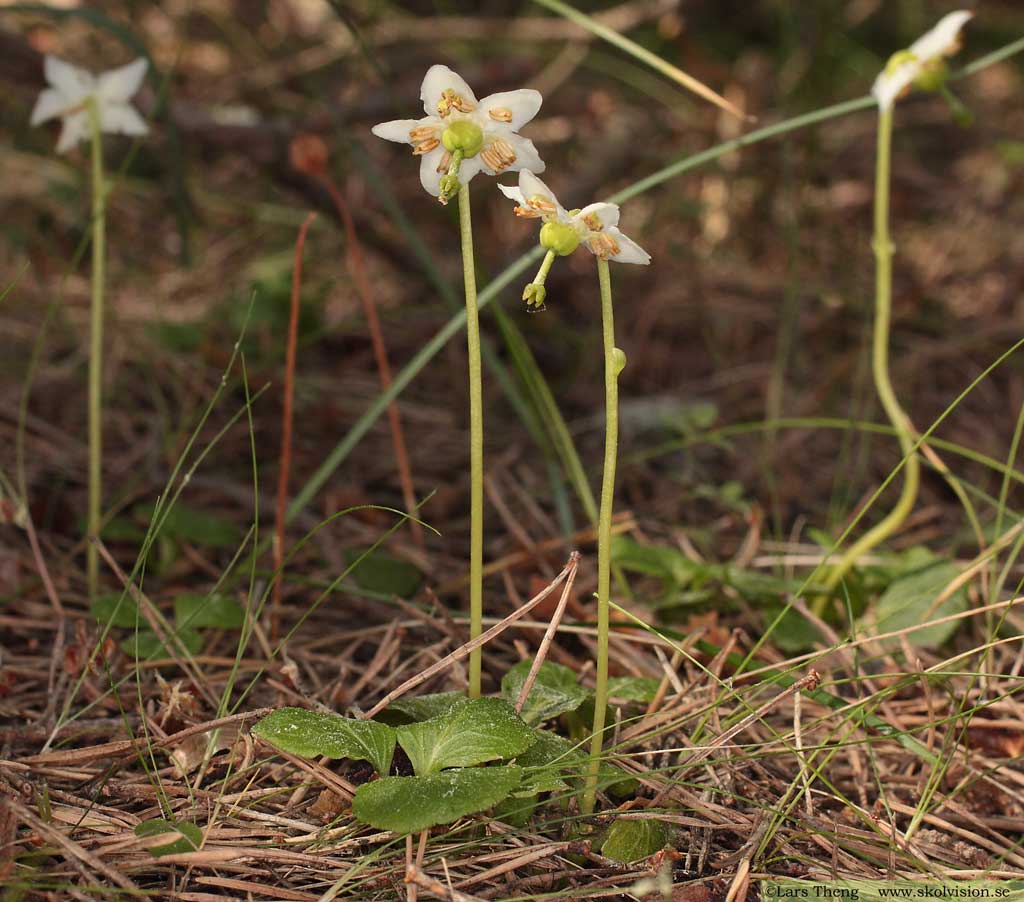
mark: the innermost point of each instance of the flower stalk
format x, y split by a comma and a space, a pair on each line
614, 362
476, 440
94, 516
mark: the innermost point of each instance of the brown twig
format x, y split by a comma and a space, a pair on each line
545, 643
568, 571
286, 428
309, 156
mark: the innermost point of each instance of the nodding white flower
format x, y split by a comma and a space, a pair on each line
595, 226
923, 63
72, 88
461, 136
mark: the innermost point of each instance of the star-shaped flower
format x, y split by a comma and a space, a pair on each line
596, 226
461, 136
71, 89
923, 63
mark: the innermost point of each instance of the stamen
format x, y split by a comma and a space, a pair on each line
498, 155
500, 114
604, 246
592, 222
451, 101
446, 161
542, 204
420, 134
527, 212
425, 146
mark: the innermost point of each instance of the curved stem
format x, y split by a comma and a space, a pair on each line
94, 516
613, 362
880, 364
476, 441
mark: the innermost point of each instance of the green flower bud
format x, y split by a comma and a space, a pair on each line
618, 360
559, 237
465, 136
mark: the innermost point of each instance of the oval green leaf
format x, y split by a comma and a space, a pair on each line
483, 729
117, 610
910, 600
555, 692
312, 733
410, 804
146, 645
216, 611
633, 840
421, 707
181, 835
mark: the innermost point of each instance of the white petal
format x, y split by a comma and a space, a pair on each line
72, 82
890, 83
527, 158
122, 119
513, 193
607, 214
522, 104
76, 128
121, 84
530, 186
51, 103
430, 178
629, 250
470, 169
943, 39
398, 129
438, 80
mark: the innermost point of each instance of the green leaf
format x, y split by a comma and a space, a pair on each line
146, 645
194, 526
671, 566
483, 729
117, 610
182, 836
421, 707
910, 600
794, 633
555, 691
312, 733
382, 573
633, 840
633, 689
410, 804
549, 762
217, 611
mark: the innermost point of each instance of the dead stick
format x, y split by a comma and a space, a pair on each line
463, 651
286, 428
357, 265
545, 643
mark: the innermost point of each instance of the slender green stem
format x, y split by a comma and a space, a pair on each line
613, 364
905, 432
476, 442
545, 268
99, 198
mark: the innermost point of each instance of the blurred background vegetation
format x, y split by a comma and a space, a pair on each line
757, 305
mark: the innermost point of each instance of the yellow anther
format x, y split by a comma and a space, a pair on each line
425, 146
421, 133
526, 212
500, 114
498, 155
446, 161
604, 246
592, 222
451, 101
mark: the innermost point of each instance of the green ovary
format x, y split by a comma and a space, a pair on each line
465, 136
559, 237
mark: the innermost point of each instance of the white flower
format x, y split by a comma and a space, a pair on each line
475, 136
925, 55
70, 90
595, 226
